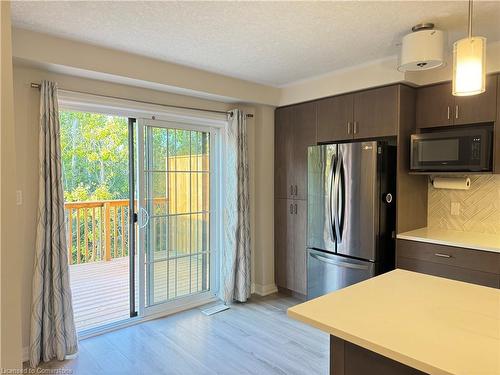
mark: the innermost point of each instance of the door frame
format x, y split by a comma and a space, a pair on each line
215, 218
134, 109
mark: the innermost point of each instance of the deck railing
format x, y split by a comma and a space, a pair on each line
97, 230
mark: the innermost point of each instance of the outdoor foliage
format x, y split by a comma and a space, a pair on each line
95, 168
94, 156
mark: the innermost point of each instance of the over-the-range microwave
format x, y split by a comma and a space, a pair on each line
462, 150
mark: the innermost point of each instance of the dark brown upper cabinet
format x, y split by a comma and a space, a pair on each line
335, 118
376, 113
477, 108
295, 130
436, 105
283, 147
304, 135
365, 114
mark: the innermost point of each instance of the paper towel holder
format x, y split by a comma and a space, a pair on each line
450, 183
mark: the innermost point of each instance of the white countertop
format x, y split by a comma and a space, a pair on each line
470, 240
433, 324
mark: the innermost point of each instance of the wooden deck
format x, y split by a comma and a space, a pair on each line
100, 292
101, 289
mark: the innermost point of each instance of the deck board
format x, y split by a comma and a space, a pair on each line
101, 289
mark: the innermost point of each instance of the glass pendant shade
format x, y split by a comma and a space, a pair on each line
469, 66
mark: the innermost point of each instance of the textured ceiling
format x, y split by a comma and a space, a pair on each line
273, 43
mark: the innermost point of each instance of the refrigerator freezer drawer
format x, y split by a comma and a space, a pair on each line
328, 272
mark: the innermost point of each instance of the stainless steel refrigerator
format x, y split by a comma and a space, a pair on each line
350, 214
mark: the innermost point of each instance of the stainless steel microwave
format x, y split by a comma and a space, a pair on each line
464, 150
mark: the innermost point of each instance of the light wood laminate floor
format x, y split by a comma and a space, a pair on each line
252, 338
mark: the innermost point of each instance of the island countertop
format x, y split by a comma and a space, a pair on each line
432, 324
469, 240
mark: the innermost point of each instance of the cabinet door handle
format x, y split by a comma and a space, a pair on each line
295, 209
355, 127
449, 112
291, 189
291, 209
296, 190
456, 111
348, 127
441, 255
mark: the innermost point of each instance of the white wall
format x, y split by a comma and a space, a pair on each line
117, 66
372, 74
113, 65
264, 200
10, 343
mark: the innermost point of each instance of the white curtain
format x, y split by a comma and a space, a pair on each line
53, 332
235, 261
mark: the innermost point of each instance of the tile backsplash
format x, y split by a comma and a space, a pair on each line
478, 208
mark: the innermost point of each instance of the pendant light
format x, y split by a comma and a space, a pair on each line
469, 63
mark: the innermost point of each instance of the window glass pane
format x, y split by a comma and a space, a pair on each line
178, 195
200, 192
159, 150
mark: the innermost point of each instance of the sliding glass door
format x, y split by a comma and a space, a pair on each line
176, 209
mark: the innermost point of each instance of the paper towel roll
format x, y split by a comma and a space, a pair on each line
456, 183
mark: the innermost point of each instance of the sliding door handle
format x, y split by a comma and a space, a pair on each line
146, 215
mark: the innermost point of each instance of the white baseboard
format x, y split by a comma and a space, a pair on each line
26, 354
264, 290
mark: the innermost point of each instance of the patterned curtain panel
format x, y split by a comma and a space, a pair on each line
53, 332
235, 261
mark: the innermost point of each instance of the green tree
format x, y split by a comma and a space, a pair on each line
94, 156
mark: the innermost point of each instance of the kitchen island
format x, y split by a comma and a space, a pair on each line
404, 322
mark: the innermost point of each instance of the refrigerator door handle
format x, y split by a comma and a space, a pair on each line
338, 263
336, 197
333, 203
341, 200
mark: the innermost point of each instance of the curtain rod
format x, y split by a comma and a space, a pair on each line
37, 86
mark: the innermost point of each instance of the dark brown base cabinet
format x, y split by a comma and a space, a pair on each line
290, 217
457, 263
349, 359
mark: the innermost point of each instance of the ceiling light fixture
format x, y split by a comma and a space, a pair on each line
422, 49
469, 63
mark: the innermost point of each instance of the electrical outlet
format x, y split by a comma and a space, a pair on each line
455, 208
19, 197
